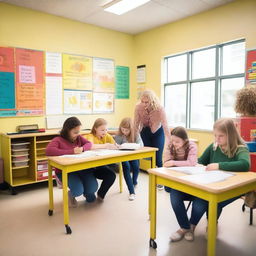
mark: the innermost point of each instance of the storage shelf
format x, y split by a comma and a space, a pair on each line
23, 181
40, 158
20, 167
42, 141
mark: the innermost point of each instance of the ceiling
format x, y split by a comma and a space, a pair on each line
150, 15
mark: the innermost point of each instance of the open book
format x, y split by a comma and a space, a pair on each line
129, 146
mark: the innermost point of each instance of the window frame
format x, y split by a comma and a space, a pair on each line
189, 81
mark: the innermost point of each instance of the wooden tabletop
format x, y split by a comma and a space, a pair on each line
70, 160
239, 179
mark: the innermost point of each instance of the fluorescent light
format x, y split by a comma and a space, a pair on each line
125, 6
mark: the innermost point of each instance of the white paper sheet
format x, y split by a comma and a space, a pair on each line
98, 152
129, 146
207, 177
188, 169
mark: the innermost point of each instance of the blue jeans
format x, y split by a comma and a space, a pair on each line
199, 207
127, 168
154, 140
82, 182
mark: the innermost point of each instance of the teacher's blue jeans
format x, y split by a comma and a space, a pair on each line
128, 167
82, 182
154, 140
199, 207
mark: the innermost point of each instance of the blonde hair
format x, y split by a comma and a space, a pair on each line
97, 123
128, 124
227, 126
153, 99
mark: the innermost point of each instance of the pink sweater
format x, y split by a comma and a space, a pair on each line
191, 159
153, 119
60, 146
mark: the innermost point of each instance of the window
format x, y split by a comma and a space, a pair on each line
200, 86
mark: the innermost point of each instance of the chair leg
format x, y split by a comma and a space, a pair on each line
251, 216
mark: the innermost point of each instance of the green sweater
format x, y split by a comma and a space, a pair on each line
240, 162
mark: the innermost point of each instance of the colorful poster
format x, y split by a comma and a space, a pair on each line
6, 59
7, 84
103, 75
77, 72
77, 102
251, 67
103, 102
53, 84
7, 90
29, 82
122, 82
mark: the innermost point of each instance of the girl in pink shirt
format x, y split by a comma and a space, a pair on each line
70, 142
179, 151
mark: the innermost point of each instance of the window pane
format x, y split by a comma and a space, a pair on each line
177, 68
203, 63
175, 104
202, 105
233, 58
229, 88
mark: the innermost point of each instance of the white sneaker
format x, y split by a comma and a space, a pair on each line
72, 201
131, 197
58, 182
160, 187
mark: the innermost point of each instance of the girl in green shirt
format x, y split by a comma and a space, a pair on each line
227, 153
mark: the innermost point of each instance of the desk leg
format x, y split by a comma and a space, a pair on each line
50, 189
152, 206
153, 165
65, 202
121, 177
212, 227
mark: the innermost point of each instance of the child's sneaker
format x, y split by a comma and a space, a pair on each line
72, 201
131, 197
160, 187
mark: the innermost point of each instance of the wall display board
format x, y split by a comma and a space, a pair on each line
35, 83
251, 67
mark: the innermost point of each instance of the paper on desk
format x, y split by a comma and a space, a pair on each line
189, 169
129, 146
207, 177
91, 153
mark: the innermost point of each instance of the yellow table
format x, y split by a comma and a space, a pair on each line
214, 193
67, 165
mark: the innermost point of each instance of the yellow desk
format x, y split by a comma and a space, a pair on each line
214, 193
68, 165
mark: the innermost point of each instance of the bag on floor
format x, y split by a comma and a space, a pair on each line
250, 199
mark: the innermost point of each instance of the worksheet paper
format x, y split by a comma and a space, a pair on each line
189, 169
98, 152
207, 177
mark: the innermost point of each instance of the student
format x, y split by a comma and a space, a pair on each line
70, 142
102, 140
179, 151
227, 153
150, 121
126, 135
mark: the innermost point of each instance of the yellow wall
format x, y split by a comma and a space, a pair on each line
222, 24
21, 27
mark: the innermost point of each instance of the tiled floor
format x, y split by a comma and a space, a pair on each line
117, 227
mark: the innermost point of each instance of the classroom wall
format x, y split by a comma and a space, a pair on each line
226, 23
21, 27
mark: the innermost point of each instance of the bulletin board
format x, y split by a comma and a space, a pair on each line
37, 83
250, 67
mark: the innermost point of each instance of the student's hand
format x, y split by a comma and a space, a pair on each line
111, 146
211, 167
169, 163
78, 150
